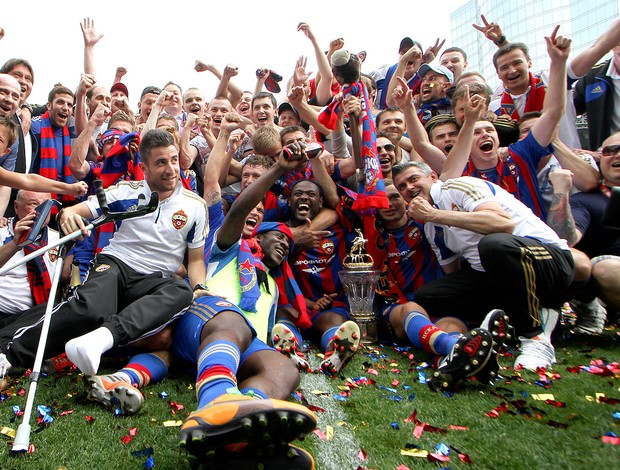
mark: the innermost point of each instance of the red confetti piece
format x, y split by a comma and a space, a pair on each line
417, 432
65, 413
320, 434
464, 458
126, 439
362, 455
413, 418
492, 414
21, 392
395, 383
372, 372
429, 428
31, 449
574, 370
610, 401
316, 408
558, 404
454, 427
435, 457
403, 467
90, 419
133, 431
614, 441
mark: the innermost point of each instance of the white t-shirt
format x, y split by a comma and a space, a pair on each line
465, 194
155, 242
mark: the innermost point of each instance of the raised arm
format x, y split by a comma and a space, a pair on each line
492, 31
560, 217
160, 104
233, 224
298, 99
403, 98
585, 176
459, 155
584, 61
90, 39
187, 153
558, 48
77, 163
87, 81
227, 87
324, 76
412, 55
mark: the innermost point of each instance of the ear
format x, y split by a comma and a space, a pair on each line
142, 166
48, 106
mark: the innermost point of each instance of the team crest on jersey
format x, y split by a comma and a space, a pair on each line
102, 267
179, 219
327, 246
53, 254
221, 303
414, 233
455, 207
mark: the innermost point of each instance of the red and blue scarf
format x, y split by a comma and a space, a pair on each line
119, 164
38, 276
534, 102
250, 259
50, 158
371, 193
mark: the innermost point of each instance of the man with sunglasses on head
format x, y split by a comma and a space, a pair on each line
579, 219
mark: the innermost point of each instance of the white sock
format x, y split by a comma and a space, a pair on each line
5, 365
85, 351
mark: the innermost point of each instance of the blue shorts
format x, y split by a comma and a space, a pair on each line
189, 328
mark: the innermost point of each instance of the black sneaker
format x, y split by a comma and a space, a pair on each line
468, 357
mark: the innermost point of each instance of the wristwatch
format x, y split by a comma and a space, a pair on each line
200, 287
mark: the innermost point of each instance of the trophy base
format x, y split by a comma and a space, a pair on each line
368, 328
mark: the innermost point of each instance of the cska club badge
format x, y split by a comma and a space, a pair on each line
179, 219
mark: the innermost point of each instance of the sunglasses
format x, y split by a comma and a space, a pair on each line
610, 150
387, 147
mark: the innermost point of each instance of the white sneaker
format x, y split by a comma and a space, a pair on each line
591, 317
536, 352
5, 365
549, 318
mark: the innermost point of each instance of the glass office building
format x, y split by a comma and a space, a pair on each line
529, 21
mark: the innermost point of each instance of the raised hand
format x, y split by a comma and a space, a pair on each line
301, 76
305, 28
492, 31
432, 51
402, 94
88, 32
558, 47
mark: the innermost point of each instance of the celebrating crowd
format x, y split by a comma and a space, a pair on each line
483, 213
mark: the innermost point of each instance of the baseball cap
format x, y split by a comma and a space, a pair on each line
118, 86
150, 89
440, 69
286, 106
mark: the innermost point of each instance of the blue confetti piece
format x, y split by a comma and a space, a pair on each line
422, 377
140, 453
16, 409
44, 413
541, 383
150, 462
395, 397
407, 387
395, 425
610, 434
524, 393
163, 395
340, 398
448, 394
411, 397
616, 415
442, 449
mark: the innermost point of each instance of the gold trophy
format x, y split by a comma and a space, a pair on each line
359, 278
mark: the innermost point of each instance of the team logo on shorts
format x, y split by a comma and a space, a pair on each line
102, 267
179, 219
53, 254
327, 246
221, 303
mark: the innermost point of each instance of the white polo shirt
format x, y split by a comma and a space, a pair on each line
155, 242
465, 194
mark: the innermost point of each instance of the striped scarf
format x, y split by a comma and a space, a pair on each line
50, 159
534, 101
38, 276
371, 192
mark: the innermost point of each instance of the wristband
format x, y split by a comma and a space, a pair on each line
501, 39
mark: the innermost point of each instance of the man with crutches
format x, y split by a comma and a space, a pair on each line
130, 290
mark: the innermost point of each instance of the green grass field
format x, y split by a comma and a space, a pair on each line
365, 426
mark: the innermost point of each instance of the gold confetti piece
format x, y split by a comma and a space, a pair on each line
8, 432
344, 387
342, 424
172, 424
153, 421
599, 395
329, 432
320, 392
543, 396
589, 398
414, 453
394, 364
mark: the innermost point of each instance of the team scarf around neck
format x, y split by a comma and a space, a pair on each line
119, 164
428, 110
50, 158
250, 259
534, 101
371, 192
38, 276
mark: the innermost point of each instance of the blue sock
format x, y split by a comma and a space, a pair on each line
217, 371
327, 337
144, 369
291, 326
425, 335
254, 392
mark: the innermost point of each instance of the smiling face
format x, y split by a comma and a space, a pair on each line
393, 124
304, 202
161, 170
60, 109
484, 147
275, 246
10, 92
253, 220
194, 102
249, 174
386, 151
434, 87
218, 108
22, 74
243, 108
413, 182
513, 70
610, 160
395, 215
263, 112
